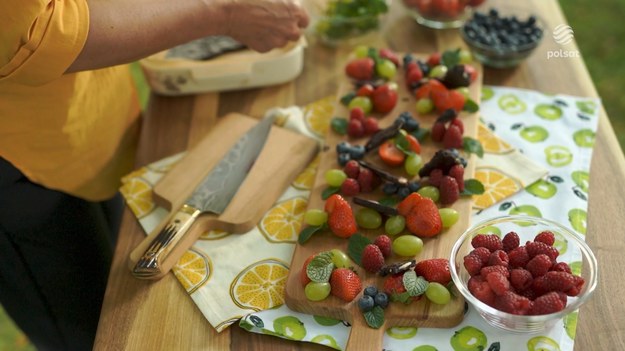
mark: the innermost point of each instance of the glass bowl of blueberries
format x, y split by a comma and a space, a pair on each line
502, 38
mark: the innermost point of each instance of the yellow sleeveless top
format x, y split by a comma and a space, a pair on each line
70, 132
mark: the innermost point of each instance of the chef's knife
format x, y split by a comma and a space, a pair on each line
212, 195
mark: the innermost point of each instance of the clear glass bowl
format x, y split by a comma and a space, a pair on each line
572, 247
426, 14
502, 57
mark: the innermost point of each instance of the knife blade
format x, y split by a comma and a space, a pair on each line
212, 195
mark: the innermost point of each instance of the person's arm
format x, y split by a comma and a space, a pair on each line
121, 31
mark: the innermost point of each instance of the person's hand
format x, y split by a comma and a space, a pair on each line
263, 25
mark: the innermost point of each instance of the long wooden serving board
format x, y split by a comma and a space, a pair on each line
420, 313
284, 155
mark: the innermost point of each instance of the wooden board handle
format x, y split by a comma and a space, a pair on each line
363, 337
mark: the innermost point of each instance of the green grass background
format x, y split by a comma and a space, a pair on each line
598, 26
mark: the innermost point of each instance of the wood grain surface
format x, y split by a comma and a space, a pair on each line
140, 315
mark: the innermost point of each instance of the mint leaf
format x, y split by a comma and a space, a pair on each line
307, 232
345, 99
470, 106
415, 286
329, 191
355, 246
389, 201
472, 146
403, 298
320, 268
339, 125
421, 134
375, 317
473, 187
450, 58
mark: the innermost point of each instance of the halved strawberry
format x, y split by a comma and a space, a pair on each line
340, 216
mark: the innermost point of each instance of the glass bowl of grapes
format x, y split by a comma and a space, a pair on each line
522, 273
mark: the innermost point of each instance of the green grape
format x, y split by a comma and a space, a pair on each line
395, 225
438, 72
465, 57
363, 102
340, 259
335, 177
424, 106
449, 216
407, 245
413, 164
464, 91
317, 291
438, 293
315, 217
361, 51
368, 218
430, 192
386, 69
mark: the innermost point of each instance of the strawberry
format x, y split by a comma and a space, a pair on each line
449, 190
384, 243
350, 187
450, 99
384, 97
406, 205
452, 138
360, 68
434, 59
510, 241
471, 71
424, 220
340, 216
489, 241
345, 284
303, 276
372, 258
434, 270
548, 303
365, 90
389, 55
390, 154
427, 90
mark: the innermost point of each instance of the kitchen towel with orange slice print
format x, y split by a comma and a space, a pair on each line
227, 284
557, 132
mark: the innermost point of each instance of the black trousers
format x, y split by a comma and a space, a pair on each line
55, 255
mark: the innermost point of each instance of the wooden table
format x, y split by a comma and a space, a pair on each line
142, 315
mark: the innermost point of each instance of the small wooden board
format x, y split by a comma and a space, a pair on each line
284, 155
419, 313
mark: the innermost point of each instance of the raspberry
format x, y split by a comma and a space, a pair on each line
520, 279
577, 287
367, 180
350, 187
483, 253
518, 257
436, 176
384, 243
554, 281
473, 264
511, 302
355, 128
510, 241
357, 113
546, 237
438, 131
548, 303
498, 283
485, 271
371, 125
458, 123
498, 258
536, 248
449, 191
489, 241
529, 293
352, 169
561, 267
457, 172
372, 258
539, 265
394, 284
479, 287
452, 138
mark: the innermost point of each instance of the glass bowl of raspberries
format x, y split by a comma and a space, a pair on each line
521, 273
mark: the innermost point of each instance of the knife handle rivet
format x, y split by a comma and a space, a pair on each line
177, 221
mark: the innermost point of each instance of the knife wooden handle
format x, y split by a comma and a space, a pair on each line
149, 264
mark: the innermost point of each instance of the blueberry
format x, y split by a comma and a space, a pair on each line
371, 291
343, 158
381, 299
407, 59
425, 68
366, 303
389, 188
343, 147
410, 125
405, 116
493, 13
403, 192
357, 152
414, 186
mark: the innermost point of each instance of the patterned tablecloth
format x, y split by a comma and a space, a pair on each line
242, 277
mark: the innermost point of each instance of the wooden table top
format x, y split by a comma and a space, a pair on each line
159, 315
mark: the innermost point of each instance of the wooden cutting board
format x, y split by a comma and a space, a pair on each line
284, 155
419, 313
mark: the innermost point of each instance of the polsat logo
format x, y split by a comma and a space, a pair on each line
562, 34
